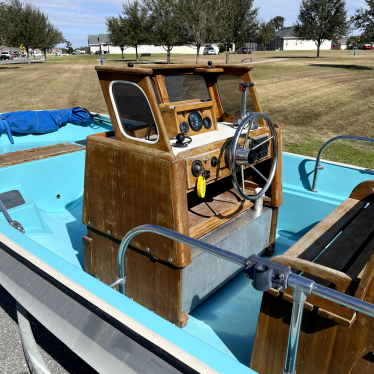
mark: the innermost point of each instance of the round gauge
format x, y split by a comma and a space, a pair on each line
207, 123
195, 120
184, 128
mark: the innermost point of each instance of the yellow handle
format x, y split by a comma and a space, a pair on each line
201, 187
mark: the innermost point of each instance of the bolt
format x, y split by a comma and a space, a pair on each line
281, 276
88, 223
280, 288
108, 232
170, 260
147, 250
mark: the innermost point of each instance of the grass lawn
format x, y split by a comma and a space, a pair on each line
313, 98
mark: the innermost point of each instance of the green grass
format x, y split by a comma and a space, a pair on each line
314, 99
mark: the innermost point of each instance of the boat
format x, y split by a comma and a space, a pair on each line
176, 236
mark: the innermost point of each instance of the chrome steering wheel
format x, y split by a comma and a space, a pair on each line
239, 155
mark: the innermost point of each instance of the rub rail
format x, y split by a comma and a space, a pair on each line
350, 137
301, 286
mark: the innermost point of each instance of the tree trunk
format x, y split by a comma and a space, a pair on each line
198, 53
136, 51
227, 53
168, 55
45, 55
122, 53
27, 53
318, 46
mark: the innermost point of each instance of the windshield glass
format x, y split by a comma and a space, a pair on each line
186, 87
231, 97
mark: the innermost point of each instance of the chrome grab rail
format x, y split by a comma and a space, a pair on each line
121, 278
351, 137
301, 286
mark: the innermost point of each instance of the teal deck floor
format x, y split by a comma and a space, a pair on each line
232, 312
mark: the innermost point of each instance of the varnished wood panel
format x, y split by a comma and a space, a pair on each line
324, 346
127, 186
33, 154
144, 83
152, 283
364, 192
324, 232
174, 114
215, 211
89, 255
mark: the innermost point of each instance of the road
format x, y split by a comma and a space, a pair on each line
21, 60
58, 357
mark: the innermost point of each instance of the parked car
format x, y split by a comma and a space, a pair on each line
244, 51
97, 52
76, 53
16, 54
37, 54
209, 51
6, 55
23, 54
367, 48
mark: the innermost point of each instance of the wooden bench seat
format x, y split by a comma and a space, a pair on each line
338, 253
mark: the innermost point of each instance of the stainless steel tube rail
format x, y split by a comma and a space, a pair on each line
301, 287
318, 159
121, 278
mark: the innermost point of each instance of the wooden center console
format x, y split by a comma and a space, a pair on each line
137, 177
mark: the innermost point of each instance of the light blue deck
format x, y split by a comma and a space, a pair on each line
232, 312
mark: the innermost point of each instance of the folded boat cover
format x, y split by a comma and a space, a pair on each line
40, 122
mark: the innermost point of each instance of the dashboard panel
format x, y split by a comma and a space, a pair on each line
189, 118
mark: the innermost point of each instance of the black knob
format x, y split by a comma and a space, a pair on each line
180, 138
214, 161
210, 63
130, 65
197, 168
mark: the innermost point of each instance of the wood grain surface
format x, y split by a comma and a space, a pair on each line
33, 154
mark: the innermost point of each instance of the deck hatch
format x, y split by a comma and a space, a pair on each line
12, 199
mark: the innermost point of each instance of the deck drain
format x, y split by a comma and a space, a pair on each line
58, 196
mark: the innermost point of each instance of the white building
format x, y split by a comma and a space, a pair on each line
100, 43
285, 40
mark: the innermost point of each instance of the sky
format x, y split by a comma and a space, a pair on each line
79, 18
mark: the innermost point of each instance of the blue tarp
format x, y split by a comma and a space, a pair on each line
40, 122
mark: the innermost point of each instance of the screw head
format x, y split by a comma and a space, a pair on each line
281, 276
108, 232
170, 260
88, 223
280, 288
147, 250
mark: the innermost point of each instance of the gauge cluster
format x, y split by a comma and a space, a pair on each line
189, 118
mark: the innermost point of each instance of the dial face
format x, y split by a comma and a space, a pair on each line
207, 123
195, 121
184, 128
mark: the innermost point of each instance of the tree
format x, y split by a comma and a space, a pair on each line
135, 25
24, 24
202, 21
354, 41
321, 20
50, 36
165, 28
364, 20
277, 22
266, 33
116, 33
241, 23
69, 47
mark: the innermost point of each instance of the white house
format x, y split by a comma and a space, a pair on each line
101, 44
290, 42
285, 40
